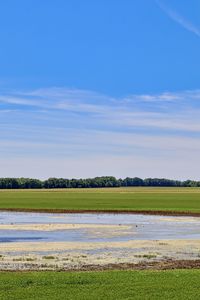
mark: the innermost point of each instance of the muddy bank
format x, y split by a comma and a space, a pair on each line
161, 265
113, 211
160, 254
164, 264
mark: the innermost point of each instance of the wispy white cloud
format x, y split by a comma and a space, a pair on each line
179, 18
109, 141
168, 110
76, 125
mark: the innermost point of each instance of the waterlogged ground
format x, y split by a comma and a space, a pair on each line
76, 241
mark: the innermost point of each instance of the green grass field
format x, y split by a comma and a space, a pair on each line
165, 199
115, 285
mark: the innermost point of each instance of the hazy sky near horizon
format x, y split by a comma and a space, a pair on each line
91, 88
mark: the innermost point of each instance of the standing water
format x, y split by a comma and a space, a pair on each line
26, 227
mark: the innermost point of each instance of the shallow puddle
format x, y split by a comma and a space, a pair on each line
29, 227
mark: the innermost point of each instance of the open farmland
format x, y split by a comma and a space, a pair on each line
106, 199
120, 279
144, 285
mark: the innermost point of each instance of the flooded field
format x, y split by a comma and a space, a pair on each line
41, 240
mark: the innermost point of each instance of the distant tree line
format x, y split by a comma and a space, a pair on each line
97, 182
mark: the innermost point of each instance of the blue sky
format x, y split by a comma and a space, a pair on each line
91, 88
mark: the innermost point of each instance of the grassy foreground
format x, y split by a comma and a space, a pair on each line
165, 199
115, 285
